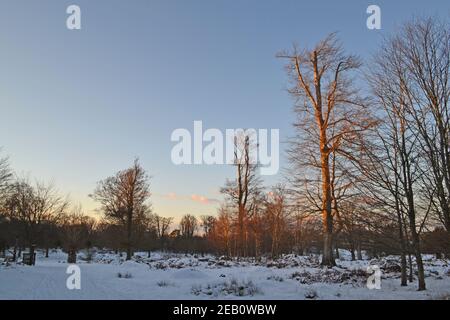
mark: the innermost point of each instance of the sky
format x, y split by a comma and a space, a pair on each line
76, 106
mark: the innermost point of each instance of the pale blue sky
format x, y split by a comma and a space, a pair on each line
76, 106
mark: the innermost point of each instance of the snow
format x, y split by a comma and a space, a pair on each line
179, 276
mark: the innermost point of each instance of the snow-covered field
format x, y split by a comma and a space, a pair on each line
179, 276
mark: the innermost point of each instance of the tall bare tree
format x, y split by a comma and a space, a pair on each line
403, 136
379, 173
330, 113
423, 48
124, 197
242, 191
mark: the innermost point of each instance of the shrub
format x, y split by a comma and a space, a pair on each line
311, 294
232, 287
163, 283
126, 275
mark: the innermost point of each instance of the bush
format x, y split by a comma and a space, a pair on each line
126, 275
163, 283
275, 278
233, 287
354, 277
311, 294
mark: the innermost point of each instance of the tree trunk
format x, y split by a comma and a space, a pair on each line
414, 235
404, 277
358, 251
129, 232
32, 262
327, 218
418, 255
409, 191
411, 272
240, 245
72, 255
336, 249
327, 257
352, 250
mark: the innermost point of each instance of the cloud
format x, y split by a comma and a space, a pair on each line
198, 198
172, 196
202, 199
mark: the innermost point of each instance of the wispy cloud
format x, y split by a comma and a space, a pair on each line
168, 196
172, 196
203, 199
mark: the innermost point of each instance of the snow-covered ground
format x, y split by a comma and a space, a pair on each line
179, 276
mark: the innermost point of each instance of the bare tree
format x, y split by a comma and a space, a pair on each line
147, 232
257, 222
76, 229
401, 137
423, 46
330, 113
5, 175
222, 234
277, 214
306, 227
162, 227
123, 198
207, 223
33, 206
242, 191
188, 226
5, 178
